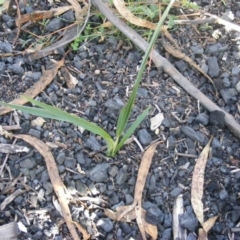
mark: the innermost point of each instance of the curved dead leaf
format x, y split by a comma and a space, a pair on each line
56, 181
198, 183
202, 235
39, 86
131, 215
209, 224
135, 210
120, 6
141, 180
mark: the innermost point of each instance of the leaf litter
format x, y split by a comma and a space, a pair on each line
39, 86
59, 188
197, 192
73, 31
135, 210
129, 16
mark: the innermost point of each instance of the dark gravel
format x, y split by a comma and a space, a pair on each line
105, 78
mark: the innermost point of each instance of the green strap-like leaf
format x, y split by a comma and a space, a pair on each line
126, 111
133, 127
58, 114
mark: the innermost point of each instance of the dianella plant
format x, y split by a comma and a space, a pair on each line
113, 144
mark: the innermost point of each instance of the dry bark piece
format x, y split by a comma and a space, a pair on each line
178, 231
11, 127
9, 231
10, 148
39, 86
163, 63
56, 181
71, 81
10, 198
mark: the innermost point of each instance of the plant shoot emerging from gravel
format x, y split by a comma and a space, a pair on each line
113, 145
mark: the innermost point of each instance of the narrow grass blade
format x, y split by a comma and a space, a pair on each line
126, 111
31, 110
133, 127
58, 114
119, 122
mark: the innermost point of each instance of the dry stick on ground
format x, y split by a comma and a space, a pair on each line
163, 63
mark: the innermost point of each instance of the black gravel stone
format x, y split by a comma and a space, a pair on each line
80, 158
154, 215
48, 187
188, 221
15, 68
144, 137
54, 25
6, 47
216, 143
181, 65
202, 118
2, 66
235, 70
128, 199
226, 82
191, 236
142, 93
93, 143
166, 234
217, 118
27, 163
70, 162
113, 104
229, 95
106, 224
122, 175
126, 228
213, 67
68, 16
176, 191
196, 136
223, 195
34, 133
60, 158
213, 48
113, 171
99, 172
197, 50
236, 214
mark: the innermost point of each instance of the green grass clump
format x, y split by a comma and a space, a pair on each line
113, 145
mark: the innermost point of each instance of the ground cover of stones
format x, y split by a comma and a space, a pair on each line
105, 74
